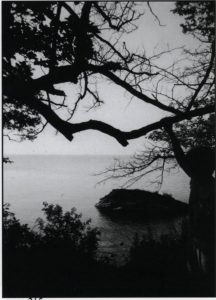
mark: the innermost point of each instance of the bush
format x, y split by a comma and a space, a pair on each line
15, 235
159, 264
58, 260
67, 231
52, 261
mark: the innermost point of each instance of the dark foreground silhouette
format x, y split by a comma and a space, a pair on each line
58, 260
199, 165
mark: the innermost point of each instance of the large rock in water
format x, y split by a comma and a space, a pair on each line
140, 202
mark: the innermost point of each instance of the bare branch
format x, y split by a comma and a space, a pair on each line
156, 17
122, 137
204, 78
10, 138
150, 161
112, 47
117, 21
42, 129
130, 89
54, 103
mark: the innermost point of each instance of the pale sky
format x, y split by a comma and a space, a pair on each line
118, 110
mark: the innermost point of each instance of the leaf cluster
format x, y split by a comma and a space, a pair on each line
199, 18
67, 230
15, 235
59, 229
52, 260
199, 132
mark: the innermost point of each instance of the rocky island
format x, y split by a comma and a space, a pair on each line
140, 202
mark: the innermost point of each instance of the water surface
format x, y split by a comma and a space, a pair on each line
70, 181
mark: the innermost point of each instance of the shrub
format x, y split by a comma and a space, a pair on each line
58, 260
67, 230
53, 261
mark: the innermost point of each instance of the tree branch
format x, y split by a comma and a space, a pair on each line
174, 119
68, 129
179, 154
156, 17
58, 75
106, 18
70, 10
129, 88
204, 78
112, 47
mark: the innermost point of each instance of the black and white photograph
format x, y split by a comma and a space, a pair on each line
108, 160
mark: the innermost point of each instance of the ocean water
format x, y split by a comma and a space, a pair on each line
71, 182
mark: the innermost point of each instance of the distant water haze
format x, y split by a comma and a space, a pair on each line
69, 180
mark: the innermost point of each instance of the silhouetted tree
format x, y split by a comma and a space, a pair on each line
78, 43
199, 164
46, 44
188, 86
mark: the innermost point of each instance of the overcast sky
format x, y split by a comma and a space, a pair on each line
118, 110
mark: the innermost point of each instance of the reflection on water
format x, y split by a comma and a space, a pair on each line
69, 181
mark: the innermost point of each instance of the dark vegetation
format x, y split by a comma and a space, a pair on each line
51, 261
59, 260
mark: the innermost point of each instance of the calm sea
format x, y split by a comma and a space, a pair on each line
71, 182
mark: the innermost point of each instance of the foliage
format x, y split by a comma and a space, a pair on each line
162, 263
35, 263
20, 21
77, 43
17, 116
59, 261
15, 235
66, 230
199, 132
199, 18
157, 255
60, 229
